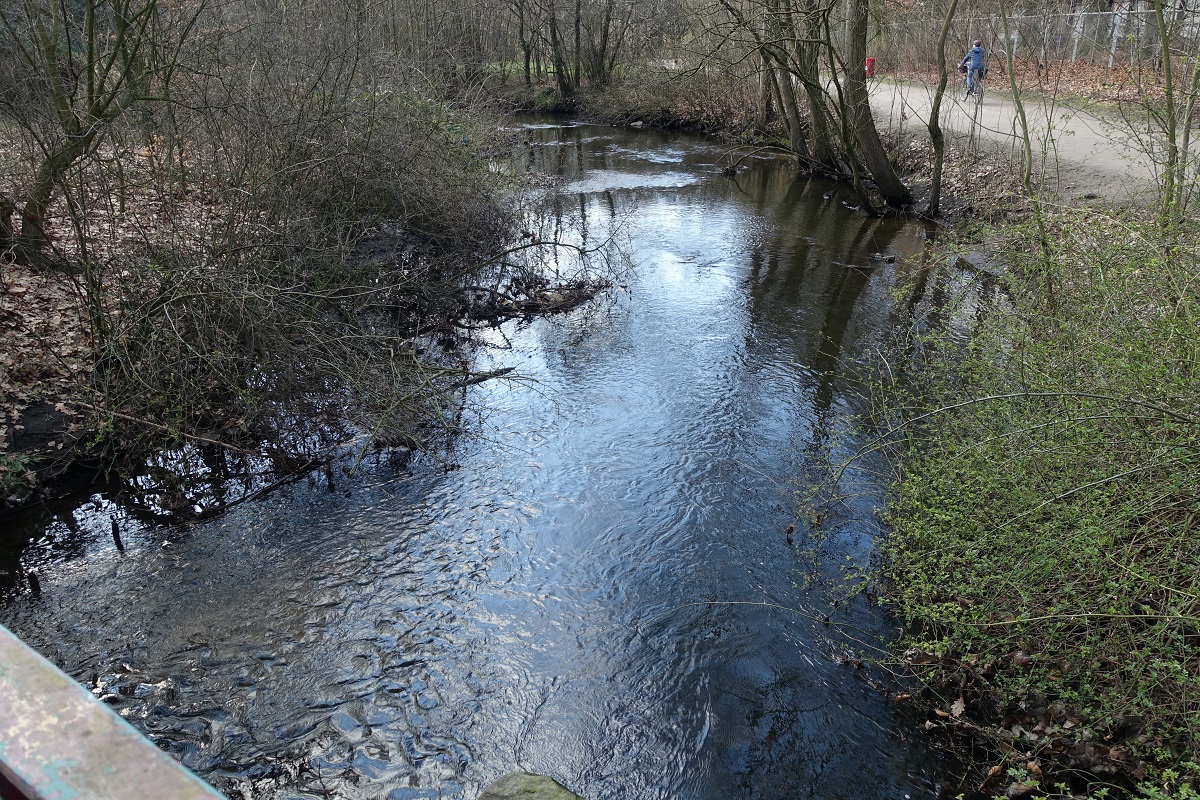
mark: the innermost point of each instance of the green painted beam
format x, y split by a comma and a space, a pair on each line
57, 742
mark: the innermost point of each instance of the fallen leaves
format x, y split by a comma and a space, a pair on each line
47, 347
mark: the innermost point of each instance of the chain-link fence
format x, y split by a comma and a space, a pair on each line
1125, 35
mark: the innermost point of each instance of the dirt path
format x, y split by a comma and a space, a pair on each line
1080, 154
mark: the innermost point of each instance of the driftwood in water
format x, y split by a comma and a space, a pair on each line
480, 377
494, 306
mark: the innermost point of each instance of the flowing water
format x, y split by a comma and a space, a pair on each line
590, 586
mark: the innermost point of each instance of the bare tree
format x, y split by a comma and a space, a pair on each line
835, 130
936, 136
91, 64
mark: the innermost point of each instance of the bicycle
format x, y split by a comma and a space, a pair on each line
975, 87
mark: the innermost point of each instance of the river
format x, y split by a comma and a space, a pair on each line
595, 584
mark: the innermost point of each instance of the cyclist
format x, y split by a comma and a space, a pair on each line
972, 64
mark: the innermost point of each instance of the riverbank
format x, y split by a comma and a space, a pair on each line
1043, 516
60, 430
1042, 548
1005, 208
55, 421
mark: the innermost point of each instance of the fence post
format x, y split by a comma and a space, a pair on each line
1077, 25
1137, 30
1117, 22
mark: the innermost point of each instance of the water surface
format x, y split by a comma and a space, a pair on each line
566, 590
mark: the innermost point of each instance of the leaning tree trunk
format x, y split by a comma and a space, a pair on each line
33, 238
858, 108
775, 59
807, 54
781, 28
797, 135
824, 151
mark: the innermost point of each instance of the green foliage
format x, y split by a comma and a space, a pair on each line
1170, 785
16, 473
1046, 511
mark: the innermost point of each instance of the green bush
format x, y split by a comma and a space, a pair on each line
1045, 517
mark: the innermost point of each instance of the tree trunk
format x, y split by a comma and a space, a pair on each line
578, 51
936, 136
32, 238
558, 55
1189, 110
7, 233
765, 81
822, 142
1172, 170
598, 57
614, 46
808, 69
777, 30
797, 135
526, 44
119, 59
858, 108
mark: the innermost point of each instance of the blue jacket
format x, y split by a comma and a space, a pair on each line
975, 56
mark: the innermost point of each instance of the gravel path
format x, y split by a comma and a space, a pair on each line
1080, 154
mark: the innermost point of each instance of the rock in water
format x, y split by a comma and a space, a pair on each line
524, 786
